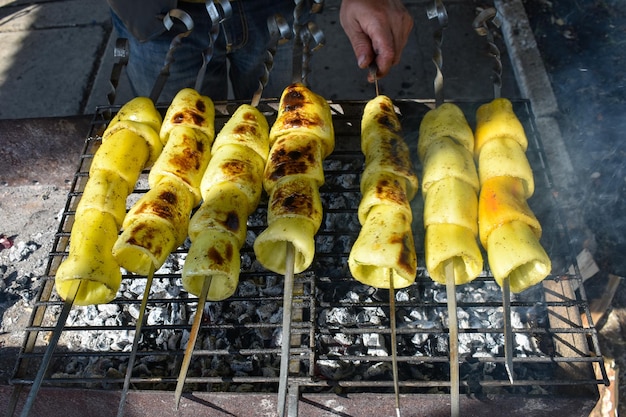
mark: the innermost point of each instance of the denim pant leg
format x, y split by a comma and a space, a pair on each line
243, 40
147, 59
250, 45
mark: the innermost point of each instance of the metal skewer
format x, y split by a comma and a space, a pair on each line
438, 11
193, 336
136, 338
286, 339
480, 25
217, 16
121, 53
175, 43
304, 34
279, 31
56, 335
508, 331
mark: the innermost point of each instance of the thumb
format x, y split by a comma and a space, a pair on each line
362, 46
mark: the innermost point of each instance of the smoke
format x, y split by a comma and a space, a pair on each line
582, 44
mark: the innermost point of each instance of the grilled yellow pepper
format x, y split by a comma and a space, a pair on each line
157, 223
129, 144
231, 189
384, 251
304, 126
508, 228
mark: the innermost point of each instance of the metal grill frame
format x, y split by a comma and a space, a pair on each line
571, 363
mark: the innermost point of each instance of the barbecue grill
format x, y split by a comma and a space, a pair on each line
340, 332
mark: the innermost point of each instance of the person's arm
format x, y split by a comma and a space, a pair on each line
378, 31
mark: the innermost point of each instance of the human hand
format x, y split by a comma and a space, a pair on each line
378, 31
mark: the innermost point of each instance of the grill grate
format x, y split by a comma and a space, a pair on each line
340, 333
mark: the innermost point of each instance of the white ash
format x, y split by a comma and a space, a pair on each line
22, 250
335, 370
375, 344
423, 310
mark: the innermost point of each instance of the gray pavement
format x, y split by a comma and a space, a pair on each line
57, 58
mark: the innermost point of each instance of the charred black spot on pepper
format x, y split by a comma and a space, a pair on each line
391, 191
384, 107
147, 234
293, 100
188, 116
178, 117
215, 256
229, 250
200, 106
188, 159
232, 221
199, 145
295, 161
169, 196
294, 155
293, 203
243, 129
233, 168
405, 257
290, 202
198, 120
386, 121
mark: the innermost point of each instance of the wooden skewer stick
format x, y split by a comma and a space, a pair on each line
286, 339
193, 336
508, 331
136, 338
454, 338
394, 342
373, 70
56, 335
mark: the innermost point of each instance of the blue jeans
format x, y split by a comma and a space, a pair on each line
242, 41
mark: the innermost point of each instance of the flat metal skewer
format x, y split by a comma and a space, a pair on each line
136, 338
193, 336
508, 331
286, 339
480, 24
279, 31
454, 338
217, 16
56, 335
303, 35
121, 53
164, 74
438, 11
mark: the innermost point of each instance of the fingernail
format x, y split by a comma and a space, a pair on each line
361, 61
